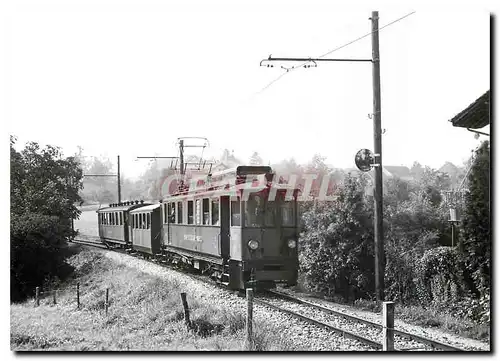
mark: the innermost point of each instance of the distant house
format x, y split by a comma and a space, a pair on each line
388, 171
396, 171
227, 161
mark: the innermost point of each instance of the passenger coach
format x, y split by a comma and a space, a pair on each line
113, 222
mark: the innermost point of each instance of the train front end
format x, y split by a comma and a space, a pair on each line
264, 248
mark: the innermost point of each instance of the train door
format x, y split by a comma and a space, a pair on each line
224, 226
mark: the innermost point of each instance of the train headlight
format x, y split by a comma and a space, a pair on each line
292, 243
253, 245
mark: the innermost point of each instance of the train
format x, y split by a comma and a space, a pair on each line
240, 227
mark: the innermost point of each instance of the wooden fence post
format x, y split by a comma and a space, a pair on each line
388, 326
37, 296
78, 295
107, 299
186, 310
249, 318
54, 294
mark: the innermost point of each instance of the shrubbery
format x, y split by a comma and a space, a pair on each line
336, 245
336, 254
44, 189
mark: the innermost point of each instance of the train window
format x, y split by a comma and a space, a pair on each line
144, 221
206, 211
235, 213
165, 212
198, 211
255, 208
172, 212
215, 211
136, 221
190, 212
270, 213
114, 219
121, 218
148, 220
259, 212
179, 212
288, 214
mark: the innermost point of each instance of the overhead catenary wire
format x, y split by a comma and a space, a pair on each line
289, 70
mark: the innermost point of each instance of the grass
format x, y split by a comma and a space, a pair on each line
145, 313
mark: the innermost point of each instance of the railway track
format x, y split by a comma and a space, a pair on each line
340, 331
403, 341
89, 243
352, 327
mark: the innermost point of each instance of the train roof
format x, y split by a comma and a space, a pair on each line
228, 191
148, 208
122, 208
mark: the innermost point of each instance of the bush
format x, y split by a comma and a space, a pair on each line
336, 252
35, 252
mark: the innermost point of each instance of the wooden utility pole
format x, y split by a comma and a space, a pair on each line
377, 130
119, 183
377, 138
181, 156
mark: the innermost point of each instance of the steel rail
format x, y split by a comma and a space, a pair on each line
340, 331
435, 344
89, 243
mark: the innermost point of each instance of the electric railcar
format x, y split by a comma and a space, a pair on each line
237, 230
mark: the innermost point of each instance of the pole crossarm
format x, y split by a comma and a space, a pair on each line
315, 59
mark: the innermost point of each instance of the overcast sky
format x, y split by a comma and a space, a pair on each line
130, 79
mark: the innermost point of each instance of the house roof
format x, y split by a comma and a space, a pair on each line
476, 115
400, 171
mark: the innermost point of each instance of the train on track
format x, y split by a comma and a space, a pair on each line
238, 226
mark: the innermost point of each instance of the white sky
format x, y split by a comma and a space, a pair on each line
130, 79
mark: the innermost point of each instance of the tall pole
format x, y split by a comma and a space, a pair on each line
181, 155
378, 193
119, 183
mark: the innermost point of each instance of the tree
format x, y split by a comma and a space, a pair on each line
336, 248
255, 159
44, 194
476, 227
